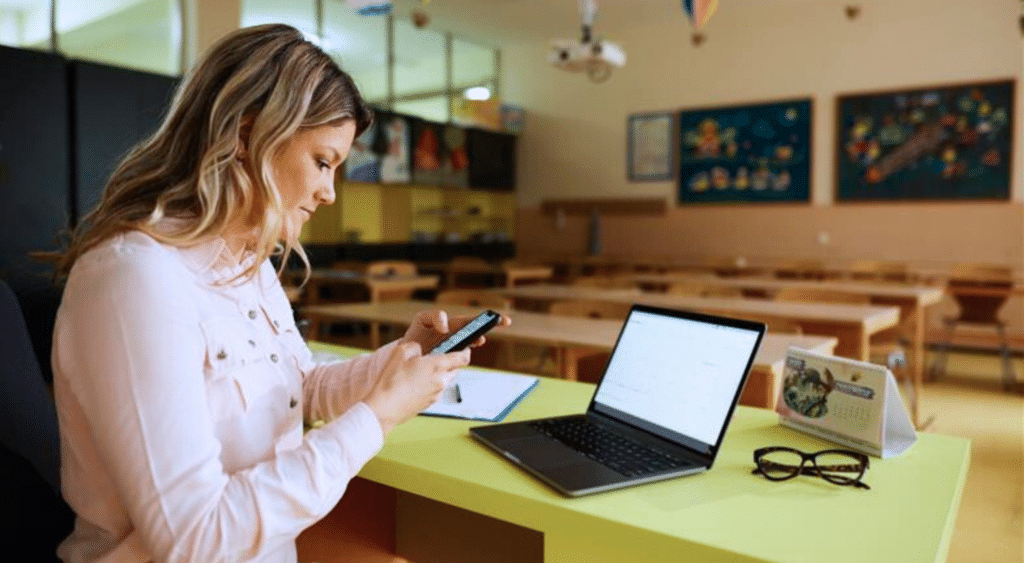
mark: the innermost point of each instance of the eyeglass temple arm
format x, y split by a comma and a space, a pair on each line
810, 470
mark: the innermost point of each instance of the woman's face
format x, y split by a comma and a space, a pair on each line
304, 171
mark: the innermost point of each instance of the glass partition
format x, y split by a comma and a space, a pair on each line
360, 45
420, 71
138, 34
25, 24
300, 14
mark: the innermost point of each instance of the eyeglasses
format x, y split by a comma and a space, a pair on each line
840, 467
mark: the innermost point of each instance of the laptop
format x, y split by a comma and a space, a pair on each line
660, 410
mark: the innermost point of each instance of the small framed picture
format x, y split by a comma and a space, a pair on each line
649, 151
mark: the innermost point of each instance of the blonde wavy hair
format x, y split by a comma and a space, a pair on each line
208, 166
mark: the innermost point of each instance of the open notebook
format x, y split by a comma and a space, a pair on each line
485, 395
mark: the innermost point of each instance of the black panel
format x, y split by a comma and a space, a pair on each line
33, 160
114, 109
492, 159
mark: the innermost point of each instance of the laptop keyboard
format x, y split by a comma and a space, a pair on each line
629, 458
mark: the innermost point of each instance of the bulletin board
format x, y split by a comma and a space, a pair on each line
757, 152
951, 142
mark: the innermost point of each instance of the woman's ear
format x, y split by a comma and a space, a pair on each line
244, 131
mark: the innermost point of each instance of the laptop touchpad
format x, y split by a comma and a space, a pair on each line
540, 452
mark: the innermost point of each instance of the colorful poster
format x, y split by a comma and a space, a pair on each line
945, 142
363, 162
394, 163
427, 157
748, 153
455, 167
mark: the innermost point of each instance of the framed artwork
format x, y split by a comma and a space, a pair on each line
759, 152
649, 147
951, 142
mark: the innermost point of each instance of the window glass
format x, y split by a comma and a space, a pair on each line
144, 35
25, 23
419, 71
434, 108
360, 45
300, 14
472, 65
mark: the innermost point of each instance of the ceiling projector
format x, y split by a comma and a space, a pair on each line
591, 55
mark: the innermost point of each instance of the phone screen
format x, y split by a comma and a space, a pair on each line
466, 335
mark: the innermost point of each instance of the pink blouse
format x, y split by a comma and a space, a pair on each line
181, 401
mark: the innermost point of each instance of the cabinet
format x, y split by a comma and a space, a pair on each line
372, 213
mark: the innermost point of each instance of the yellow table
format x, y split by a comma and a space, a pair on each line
725, 514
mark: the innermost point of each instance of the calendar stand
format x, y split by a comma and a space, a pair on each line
856, 404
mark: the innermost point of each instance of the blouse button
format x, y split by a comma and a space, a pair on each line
292, 404
252, 343
277, 324
273, 358
252, 314
221, 355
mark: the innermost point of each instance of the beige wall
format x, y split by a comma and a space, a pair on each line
574, 142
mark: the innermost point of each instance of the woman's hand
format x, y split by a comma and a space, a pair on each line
429, 328
411, 382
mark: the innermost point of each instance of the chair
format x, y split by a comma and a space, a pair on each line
33, 516
879, 271
801, 269
479, 272
604, 282
980, 291
390, 269
590, 364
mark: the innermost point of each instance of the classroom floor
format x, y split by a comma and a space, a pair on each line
970, 402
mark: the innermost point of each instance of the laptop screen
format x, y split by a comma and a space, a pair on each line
678, 373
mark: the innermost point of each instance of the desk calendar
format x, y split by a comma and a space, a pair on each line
852, 403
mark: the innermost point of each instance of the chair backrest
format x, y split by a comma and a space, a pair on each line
468, 261
32, 512
821, 295
800, 269
879, 270
604, 282
391, 268
980, 291
473, 298
590, 309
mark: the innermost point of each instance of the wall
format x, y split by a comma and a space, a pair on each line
574, 142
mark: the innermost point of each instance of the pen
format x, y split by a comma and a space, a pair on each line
458, 394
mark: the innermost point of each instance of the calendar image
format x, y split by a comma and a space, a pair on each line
852, 403
836, 397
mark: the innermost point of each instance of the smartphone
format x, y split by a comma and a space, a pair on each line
468, 334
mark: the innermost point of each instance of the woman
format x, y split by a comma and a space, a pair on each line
180, 379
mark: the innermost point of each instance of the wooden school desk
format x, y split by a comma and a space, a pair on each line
912, 300
723, 515
570, 334
851, 324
